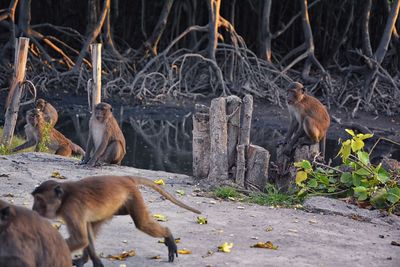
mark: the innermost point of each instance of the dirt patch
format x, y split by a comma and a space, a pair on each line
303, 239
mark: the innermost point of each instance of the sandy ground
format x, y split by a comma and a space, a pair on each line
303, 239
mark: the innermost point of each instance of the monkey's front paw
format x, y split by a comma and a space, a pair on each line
172, 248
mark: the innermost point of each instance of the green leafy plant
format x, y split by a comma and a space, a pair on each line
16, 141
357, 177
226, 192
43, 145
273, 197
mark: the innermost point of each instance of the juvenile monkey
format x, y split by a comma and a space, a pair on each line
35, 129
89, 202
50, 113
106, 142
309, 119
28, 240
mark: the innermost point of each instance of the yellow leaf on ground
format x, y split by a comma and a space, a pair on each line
267, 245
177, 240
202, 220
180, 192
157, 257
159, 182
225, 247
184, 251
269, 229
122, 256
57, 175
160, 217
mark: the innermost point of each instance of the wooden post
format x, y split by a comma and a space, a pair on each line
219, 139
244, 140
96, 61
233, 104
257, 167
19, 76
201, 141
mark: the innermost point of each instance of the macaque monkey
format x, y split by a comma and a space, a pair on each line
50, 113
35, 132
86, 204
309, 119
106, 142
28, 240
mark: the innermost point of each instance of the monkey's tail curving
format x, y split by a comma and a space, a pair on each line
151, 184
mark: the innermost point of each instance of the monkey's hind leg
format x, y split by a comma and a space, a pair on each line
113, 154
64, 151
144, 222
89, 251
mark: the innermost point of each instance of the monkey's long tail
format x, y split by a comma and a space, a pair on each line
151, 184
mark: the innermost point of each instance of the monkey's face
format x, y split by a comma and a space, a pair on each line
102, 111
295, 93
48, 199
40, 104
33, 117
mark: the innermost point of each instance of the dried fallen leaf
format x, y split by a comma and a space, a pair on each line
57, 175
202, 220
184, 251
267, 245
292, 230
240, 207
177, 240
269, 229
312, 221
122, 265
180, 192
157, 257
159, 182
225, 247
123, 255
160, 217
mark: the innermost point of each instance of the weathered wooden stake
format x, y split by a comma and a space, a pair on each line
219, 139
233, 104
19, 76
257, 167
201, 141
96, 60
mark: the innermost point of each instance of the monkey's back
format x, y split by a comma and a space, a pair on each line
30, 240
316, 110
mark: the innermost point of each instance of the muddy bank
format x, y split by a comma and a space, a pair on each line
303, 238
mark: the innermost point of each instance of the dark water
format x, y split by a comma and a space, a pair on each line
162, 140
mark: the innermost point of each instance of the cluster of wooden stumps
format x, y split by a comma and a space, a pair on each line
223, 153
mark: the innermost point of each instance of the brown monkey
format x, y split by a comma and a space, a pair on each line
35, 133
28, 240
106, 142
50, 113
94, 200
309, 119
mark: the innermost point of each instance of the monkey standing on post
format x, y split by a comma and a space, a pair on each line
28, 240
309, 119
86, 204
35, 133
106, 141
50, 113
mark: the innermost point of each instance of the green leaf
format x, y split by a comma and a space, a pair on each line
364, 136
356, 179
361, 193
312, 183
356, 144
383, 176
393, 195
378, 200
300, 177
351, 132
363, 172
302, 192
331, 189
346, 178
363, 157
324, 180
345, 150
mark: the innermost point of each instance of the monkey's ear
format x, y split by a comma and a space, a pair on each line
5, 213
59, 191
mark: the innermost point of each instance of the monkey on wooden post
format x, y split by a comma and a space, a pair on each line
106, 142
309, 119
36, 132
28, 240
50, 113
94, 200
